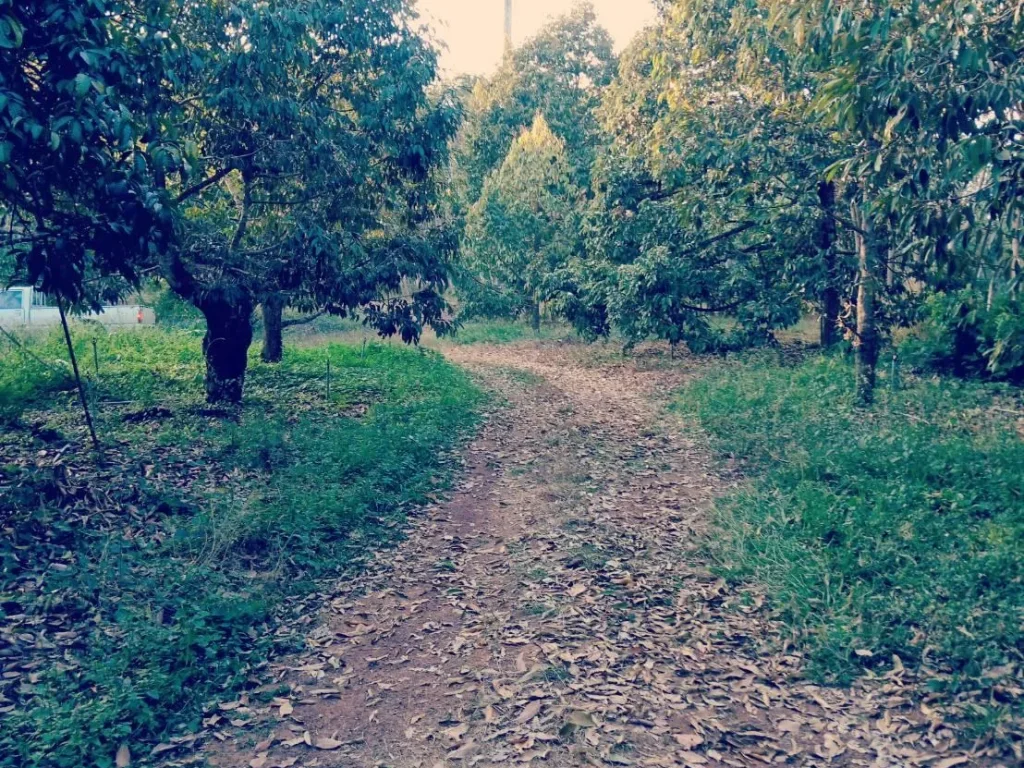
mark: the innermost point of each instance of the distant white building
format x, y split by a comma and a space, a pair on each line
24, 306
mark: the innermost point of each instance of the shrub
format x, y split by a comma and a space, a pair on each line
962, 336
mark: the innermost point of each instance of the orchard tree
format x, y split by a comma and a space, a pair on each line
524, 226
693, 214
76, 198
927, 96
307, 142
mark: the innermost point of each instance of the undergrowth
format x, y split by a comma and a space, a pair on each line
135, 592
895, 531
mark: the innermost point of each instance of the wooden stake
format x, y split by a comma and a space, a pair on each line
78, 377
328, 378
96, 358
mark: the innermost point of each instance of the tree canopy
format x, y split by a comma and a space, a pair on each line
523, 229
76, 199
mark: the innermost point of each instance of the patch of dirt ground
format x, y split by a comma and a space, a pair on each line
557, 611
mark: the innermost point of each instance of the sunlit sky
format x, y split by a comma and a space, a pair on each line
473, 30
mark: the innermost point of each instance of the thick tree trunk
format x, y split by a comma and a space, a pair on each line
273, 326
826, 242
535, 317
867, 294
226, 348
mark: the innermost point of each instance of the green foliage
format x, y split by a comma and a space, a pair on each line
76, 197
963, 335
173, 312
559, 74
311, 142
897, 531
506, 332
26, 378
523, 228
176, 584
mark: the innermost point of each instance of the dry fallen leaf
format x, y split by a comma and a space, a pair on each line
692, 758
327, 743
581, 719
462, 752
952, 762
529, 712
688, 741
124, 757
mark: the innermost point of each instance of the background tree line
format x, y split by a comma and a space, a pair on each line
747, 161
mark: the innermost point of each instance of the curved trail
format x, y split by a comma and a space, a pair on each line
557, 611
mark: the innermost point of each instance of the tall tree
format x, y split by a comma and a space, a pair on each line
524, 228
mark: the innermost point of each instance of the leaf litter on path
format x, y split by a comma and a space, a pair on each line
557, 610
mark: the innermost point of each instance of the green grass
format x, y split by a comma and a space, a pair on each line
894, 531
173, 562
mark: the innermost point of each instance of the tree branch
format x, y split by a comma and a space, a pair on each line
303, 321
196, 189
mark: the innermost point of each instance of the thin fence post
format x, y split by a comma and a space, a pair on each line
78, 376
96, 358
328, 378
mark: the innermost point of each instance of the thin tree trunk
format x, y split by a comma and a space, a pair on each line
826, 242
226, 347
867, 344
535, 317
273, 325
1015, 261
78, 376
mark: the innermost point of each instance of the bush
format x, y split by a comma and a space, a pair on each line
893, 531
962, 336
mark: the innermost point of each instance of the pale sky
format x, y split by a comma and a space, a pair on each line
474, 29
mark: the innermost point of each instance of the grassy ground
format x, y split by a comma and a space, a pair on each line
898, 531
135, 592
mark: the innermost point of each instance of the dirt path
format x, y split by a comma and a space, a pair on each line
557, 611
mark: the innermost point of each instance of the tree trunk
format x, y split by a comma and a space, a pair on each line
1015, 260
826, 242
226, 347
535, 317
273, 325
867, 292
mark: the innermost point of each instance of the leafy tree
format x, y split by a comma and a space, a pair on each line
763, 143
306, 143
694, 213
524, 227
927, 96
76, 200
